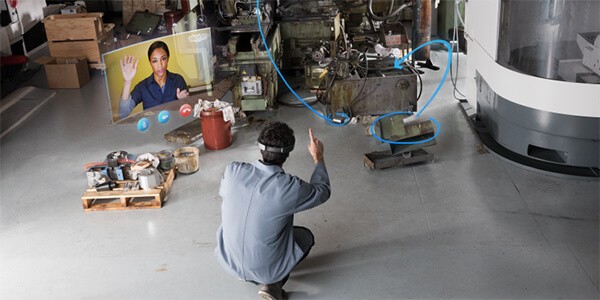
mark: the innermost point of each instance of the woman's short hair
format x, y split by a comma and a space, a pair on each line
158, 44
276, 134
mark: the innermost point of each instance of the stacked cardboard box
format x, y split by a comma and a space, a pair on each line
152, 6
79, 35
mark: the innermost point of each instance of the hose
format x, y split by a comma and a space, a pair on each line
375, 17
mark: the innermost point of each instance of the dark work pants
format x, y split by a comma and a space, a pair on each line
305, 240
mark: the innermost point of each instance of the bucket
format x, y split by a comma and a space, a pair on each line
167, 161
215, 131
187, 160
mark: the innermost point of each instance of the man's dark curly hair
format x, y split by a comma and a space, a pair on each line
276, 134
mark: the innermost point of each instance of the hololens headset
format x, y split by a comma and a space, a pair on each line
286, 149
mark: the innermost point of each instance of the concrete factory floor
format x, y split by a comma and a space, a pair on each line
468, 225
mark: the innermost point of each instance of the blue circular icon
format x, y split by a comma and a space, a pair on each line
164, 116
143, 124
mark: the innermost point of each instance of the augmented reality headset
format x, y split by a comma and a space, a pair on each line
286, 149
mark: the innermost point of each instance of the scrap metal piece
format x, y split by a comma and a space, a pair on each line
394, 129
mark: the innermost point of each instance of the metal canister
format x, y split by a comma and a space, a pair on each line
167, 160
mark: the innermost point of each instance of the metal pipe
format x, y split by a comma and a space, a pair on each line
421, 28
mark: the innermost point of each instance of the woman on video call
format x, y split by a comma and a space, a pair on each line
160, 87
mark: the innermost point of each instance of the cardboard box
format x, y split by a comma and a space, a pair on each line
65, 72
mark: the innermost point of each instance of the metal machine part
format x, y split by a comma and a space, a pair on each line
105, 186
251, 86
238, 16
310, 31
256, 84
312, 76
149, 178
531, 91
306, 9
387, 22
114, 157
115, 173
319, 54
96, 175
307, 42
379, 93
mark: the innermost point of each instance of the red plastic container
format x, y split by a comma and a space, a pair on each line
215, 131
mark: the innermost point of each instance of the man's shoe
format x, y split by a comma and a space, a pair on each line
272, 292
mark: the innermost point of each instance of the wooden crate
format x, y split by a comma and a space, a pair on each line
73, 27
90, 49
117, 199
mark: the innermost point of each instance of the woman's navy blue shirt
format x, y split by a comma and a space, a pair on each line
150, 94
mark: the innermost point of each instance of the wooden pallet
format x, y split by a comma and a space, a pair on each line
117, 199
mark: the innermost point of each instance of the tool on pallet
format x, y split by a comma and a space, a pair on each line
131, 186
106, 186
150, 178
147, 171
103, 175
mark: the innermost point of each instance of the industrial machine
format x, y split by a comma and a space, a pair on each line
533, 81
310, 31
331, 41
359, 77
346, 49
240, 50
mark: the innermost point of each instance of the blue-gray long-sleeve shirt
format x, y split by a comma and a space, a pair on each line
255, 240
